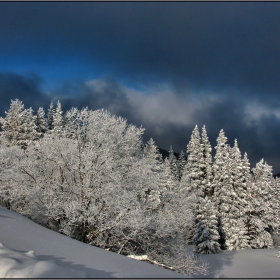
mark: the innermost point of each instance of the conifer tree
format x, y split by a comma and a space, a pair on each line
222, 186
194, 167
41, 122
29, 132
277, 205
51, 112
168, 180
58, 119
206, 235
173, 164
13, 125
262, 221
181, 163
207, 159
237, 237
153, 160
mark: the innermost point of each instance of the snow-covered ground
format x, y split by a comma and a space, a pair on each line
30, 250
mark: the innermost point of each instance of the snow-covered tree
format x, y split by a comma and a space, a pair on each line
167, 182
206, 236
173, 163
87, 187
207, 160
236, 235
262, 220
58, 120
29, 132
230, 195
181, 163
41, 122
194, 167
19, 126
13, 122
51, 112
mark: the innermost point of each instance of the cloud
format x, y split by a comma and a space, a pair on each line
169, 118
192, 45
26, 88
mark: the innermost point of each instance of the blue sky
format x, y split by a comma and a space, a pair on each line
165, 65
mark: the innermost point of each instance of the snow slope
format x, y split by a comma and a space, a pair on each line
252, 263
30, 250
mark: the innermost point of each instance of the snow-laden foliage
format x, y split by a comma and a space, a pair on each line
88, 175
263, 218
41, 122
173, 164
206, 236
181, 163
19, 127
94, 182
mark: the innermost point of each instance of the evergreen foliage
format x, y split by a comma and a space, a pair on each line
51, 112
206, 235
41, 122
88, 175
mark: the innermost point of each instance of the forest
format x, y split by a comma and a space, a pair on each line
88, 175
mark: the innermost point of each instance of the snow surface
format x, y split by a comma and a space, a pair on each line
31, 251
251, 263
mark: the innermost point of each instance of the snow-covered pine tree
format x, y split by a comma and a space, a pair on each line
29, 132
221, 181
207, 158
154, 160
167, 181
234, 220
247, 185
51, 112
206, 236
194, 168
181, 163
262, 220
58, 119
277, 206
41, 122
13, 123
173, 164
191, 178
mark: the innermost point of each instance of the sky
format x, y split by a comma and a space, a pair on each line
165, 65
29, 250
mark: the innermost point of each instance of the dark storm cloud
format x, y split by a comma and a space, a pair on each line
229, 49
25, 88
191, 44
259, 139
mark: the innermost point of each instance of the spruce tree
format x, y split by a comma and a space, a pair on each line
29, 132
207, 159
13, 123
41, 122
237, 237
173, 164
206, 235
190, 184
195, 165
262, 219
51, 112
222, 186
58, 119
181, 164
151, 193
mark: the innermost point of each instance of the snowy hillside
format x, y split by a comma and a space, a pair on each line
57, 256
30, 250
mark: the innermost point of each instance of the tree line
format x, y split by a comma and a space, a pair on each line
88, 175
